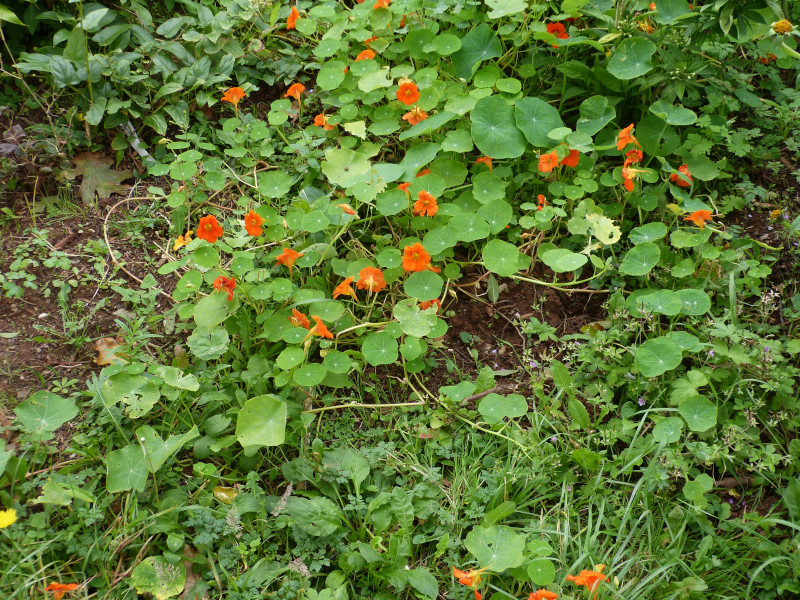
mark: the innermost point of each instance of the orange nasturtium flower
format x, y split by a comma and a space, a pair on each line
558, 30
426, 205
381, 4
699, 218
548, 162
294, 91
684, 179
298, 319
590, 579
404, 187
470, 579
415, 258
435, 303
225, 283
415, 115
183, 240
633, 157
408, 93
347, 209
59, 589
486, 160
252, 223
292, 18
319, 329
287, 257
542, 201
652, 6
209, 229
233, 95
344, 289
571, 159
365, 55
424, 172
543, 595
322, 121
625, 137
370, 278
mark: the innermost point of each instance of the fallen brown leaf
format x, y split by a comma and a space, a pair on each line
97, 176
107, 351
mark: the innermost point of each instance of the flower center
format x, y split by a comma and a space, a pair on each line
415, 256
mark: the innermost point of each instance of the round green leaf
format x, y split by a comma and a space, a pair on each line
337, 362
494, 129
674, 115
262, 421
668, 430
648, 233
290, 357
498, 547
632, 58
309, 375
497, 213
331, 76
665, 302
640, 259
380, 349
315, 221
446, 43
487, 187
656, 136
211, 310
155, 576
345, 167
392, 202
413, 321
695, 302
563, 261
470, 227
536, 118
595, 114
657, 356
700, 413
206, 257
424, 285
494, 407
274, 184
208, 344
440, 239
501, 258
478, 45
541, 571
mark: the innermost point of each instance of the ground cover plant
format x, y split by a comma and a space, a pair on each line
400, 299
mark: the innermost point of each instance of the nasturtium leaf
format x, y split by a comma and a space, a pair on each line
446, 43
262, 421
647, 233
695, 490
656, 136
640, 259
541, 571
413, 321
315, 221
668, 430
126, 469
290, 357
631, 59
561, 260
211, 310
595, 113
159, 578
423, 581
494, 129
159, 450
331, 76
346, 168
457, 140
375, 80
503, 8
309, 375
45, 412
695, 302
274, 184
702, 168
685, 340
657, 356
668, 11
665, 302
416, 157
337, 362
497, 213
424, 285
470, 227
440, 239
427, 126
535, 118
487, 187
391, 202
501, 258
458, 392
380, 349
682, 238
673, 115
478, 45
700, 413
603, 229
494, 407
498, 547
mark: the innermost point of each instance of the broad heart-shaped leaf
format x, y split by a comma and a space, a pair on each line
478, 45
700, 413
423, 285
380, 349
632, 58
494, 407
158, 450
673, 115
261, 421
98, 178
640, 259
274, 184
45, 412
595, 114
127, 469
501, 258
561, 260
536, 118
494, 129
657, 356
346, 168
668, 430
497, 548
670, 10
154, 575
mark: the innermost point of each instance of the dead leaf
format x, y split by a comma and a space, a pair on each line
191, 577
226, 495
107, 351
98, 178
11, 140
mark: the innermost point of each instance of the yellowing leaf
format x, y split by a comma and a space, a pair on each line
226, 495
604, 229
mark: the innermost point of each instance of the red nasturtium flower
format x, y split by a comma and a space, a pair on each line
684, 179
699, 218
209, 229
486, 160
252, 223
292, 18
370, 278
381, 4
765, 59
365, 55
625, 137
233, 95
403, 21
368, 41
426, 206
344, 289
424, 172
319, 329
404, 187
548, 161
408, 93
571, 159
430, 303
298, 319
322, 121
542, 201
590, 579
59, 589
294, 91
287, 258
416, 258
543, 595
558, 30
225, 283
633, 157
652, 6
415, 115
